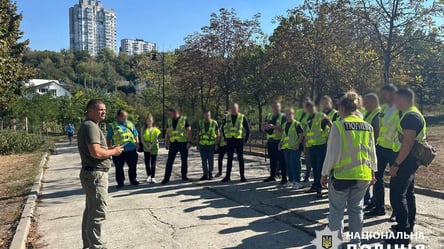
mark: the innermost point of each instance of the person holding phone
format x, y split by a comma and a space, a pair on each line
123, 133
150, 142
95, 156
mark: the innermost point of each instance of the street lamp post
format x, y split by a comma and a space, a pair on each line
162, 62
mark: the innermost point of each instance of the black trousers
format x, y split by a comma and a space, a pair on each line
220, 158
276, 159
402, 194
130, 158
176, 147
317, 157
237, 145
385, 156
150, 163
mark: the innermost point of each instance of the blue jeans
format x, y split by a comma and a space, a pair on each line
353, 199
207, 156
293, 163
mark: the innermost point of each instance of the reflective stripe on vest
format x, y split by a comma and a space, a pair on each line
354, 163
422, 135
290, 139
315, 134
123, 133
276, 135
150, 138
235, 131
369, 117
387, 128
180, 133
331, 115
207, 137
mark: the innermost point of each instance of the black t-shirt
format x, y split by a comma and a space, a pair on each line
175, 121
298, 128
412, 121
273, 121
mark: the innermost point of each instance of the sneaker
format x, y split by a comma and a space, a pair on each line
135, 183
203, 178
185, 178
311, 190
297, 185
287, 184
120, 185
243, 179
210, 176
270, 179
226, 179
148, 179
306, 179
165, 181
153, 180
219, 174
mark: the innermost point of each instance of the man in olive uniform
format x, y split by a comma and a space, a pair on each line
207, 140
124, 132
236, 132
273, 127
178, 139
95, 156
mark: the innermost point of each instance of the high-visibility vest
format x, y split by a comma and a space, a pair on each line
299, 115
354, 163
422, 135
123, 133
276, 135
290, 138
150, 138
222, 141
387, 128
236, 130
315, 134
331, 115
369, 117
180, 133
207, 137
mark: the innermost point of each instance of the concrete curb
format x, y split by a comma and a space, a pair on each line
22, 231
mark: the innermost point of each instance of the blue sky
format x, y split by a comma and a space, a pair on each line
167, 22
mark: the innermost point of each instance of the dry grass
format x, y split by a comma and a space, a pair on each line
17, 176
432, 176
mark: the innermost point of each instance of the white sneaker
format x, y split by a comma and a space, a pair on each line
297, 185
148, 179
153, 180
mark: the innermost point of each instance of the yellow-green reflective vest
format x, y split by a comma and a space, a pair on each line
354, 163
422, 135
207, 137
299, 115
180, 133
276, 135
150, 139
372, 115
331, 114
123, 133
236, 130
290, 138
387, 128
315, 134
222, 141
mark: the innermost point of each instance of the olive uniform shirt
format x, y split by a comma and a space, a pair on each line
90, 133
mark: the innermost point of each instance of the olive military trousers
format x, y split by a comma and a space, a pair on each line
95, 185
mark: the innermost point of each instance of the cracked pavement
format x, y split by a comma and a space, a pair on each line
196, 214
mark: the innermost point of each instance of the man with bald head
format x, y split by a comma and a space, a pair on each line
236, 132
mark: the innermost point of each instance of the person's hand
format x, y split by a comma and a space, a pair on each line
189, 145
394, 171
373, 181
324, 181
116, 150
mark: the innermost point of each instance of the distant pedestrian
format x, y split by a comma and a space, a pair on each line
177, 139
273, 127
95, 156
150, 142
207, 139
349, 168
291, 145
221, 150
124, 132
236, 132
70, 131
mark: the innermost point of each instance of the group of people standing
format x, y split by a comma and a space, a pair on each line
347, 148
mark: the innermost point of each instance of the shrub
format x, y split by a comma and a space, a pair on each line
12, 142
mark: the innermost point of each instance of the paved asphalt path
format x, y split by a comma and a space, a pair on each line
196, 214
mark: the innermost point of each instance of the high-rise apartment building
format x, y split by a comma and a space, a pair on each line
137, 46
92, 27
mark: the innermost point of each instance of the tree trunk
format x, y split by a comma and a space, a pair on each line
260, 110
386, 69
